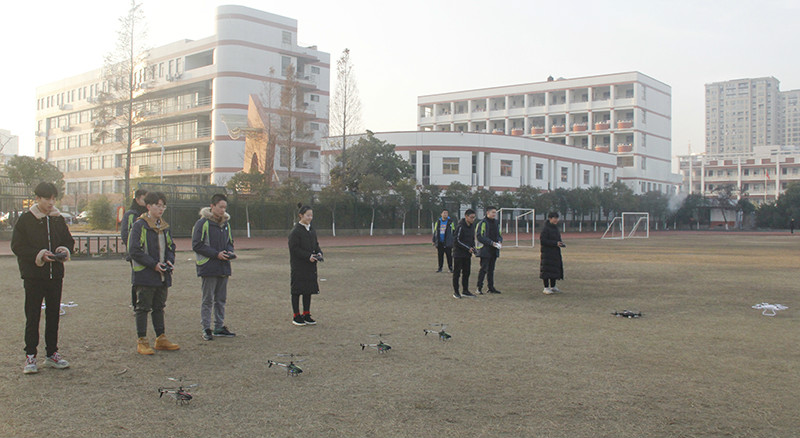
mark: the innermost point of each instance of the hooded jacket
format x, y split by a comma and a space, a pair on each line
34, 234
464, 239
209, 238
449, 229
488, 231
130, 216
146, 251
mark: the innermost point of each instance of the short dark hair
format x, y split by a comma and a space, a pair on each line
153, 198
302, 209
139, 192
444, 209
218, 197
46, 190
552, 214
469, 212
490, 208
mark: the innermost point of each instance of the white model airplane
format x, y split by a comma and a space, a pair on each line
63, 306
769, 309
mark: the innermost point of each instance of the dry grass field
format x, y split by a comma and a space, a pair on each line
701, 362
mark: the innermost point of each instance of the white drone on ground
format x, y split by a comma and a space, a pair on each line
770, 309
63, 306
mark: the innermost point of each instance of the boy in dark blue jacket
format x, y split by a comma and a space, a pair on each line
136, 209
212, 243
152, 254
443, 230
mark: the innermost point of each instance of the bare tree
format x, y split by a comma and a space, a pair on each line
345, 112
124, 70
292, 129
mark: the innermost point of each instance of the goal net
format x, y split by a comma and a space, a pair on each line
636, 225
517, 221
631, 225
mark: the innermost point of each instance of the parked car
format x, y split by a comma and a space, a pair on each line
68, 217
83, 217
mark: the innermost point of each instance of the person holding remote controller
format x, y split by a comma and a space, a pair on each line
42, 242
152, 254
212, 243
304, 255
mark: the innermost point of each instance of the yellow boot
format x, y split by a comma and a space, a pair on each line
144, 347
162, 343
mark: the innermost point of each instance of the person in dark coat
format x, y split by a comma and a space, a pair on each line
304, 254
551, 267
42, 242
464, 248
443, 230
136, 209
489, 243
212, 243
152, 253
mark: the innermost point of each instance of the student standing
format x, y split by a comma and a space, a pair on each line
551, 267
136, 209
212, 243
152, 254
464, 248
443, 230
304, 254
42, 242
489, 244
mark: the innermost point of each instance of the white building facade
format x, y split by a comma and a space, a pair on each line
495, 162
625, 114
760, 176
186, 93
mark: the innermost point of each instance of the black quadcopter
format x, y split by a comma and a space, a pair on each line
180, 394
627, 314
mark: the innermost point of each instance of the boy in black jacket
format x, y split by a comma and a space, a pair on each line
42, 242
463, 249
136, 209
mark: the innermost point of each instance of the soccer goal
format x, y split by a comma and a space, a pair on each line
520, 220
631, 225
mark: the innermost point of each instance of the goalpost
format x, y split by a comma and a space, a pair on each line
631, 225
527, 215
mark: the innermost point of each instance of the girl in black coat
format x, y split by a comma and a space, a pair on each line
304, 254
551, 268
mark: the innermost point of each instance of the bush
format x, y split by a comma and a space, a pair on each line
101, 215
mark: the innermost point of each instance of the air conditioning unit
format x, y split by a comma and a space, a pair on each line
66, 128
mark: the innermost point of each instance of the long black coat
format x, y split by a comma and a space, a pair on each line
550, 266
303, 243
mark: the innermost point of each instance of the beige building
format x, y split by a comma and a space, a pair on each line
742, 114
186, 94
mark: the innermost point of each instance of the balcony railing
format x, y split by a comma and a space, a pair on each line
170, 166
169, 109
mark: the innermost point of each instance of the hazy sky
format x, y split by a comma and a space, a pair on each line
408, 48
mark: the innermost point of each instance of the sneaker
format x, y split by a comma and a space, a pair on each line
467, 293
438, 271
55, 361
494, 291
548, 291
224, 332
308, 320
480, 290
457, 295
451, 271
298, 320
30, 365
555, 289
208, 335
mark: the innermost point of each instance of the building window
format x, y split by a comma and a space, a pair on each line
285, 157
314, 126
506, 167
314, 70
586, 176
539, 171
450, 166
314, 98
644, 163
285, 63
606, 178
286, 37
564, 174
